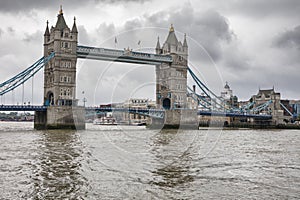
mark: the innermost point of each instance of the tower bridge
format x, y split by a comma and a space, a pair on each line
60, 107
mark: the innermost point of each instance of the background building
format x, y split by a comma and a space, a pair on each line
227, 96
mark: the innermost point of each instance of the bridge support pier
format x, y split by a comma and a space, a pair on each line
60, 117
177, 119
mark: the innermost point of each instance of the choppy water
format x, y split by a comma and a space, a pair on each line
136, 163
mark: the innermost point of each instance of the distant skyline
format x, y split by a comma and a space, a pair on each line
250, 44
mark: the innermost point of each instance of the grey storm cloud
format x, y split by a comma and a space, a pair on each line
83, 37
289, 38
11, 30
106, 30
1, 32
35, 37
209, 28
121, 1
21, 6
259, 8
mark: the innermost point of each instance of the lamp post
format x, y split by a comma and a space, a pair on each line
84, 100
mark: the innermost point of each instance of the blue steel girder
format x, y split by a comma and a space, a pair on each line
261, 107
286, 109
127, 56
155, 113
228, 114
22, 108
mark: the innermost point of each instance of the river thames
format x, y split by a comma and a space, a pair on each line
119, 162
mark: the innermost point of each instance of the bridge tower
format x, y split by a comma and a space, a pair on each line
60, 78
171, 82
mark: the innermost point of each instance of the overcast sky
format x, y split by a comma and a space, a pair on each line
250, 44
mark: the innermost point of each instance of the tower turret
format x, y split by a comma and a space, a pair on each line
157, 48
47, 32
74, 28
171, 42
46, 38
185, 46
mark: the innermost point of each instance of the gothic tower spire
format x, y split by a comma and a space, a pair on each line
74, 28
47, 32
184, 41
61, 23
157, 48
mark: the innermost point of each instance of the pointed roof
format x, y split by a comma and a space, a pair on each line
226, 86
74, 28
184, 41
47, 33
172, 39
61, 23
157, 44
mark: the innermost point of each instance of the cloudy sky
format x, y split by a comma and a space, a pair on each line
251, 44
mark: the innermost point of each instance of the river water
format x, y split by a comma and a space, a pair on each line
114, 162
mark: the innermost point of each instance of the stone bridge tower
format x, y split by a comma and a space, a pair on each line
60, 72
171, 82
171, 79
60, 79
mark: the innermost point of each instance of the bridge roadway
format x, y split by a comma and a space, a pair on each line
125, 55
232, 114
158, 113
22, 108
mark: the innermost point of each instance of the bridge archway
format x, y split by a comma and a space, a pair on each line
49, 99
167, 103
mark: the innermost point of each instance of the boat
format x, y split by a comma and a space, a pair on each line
105, 121
138, 123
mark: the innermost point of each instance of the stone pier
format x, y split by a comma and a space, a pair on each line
176, 119
60, 117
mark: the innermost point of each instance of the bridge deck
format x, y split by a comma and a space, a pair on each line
229, 114
22, 108
150, 112
127, 56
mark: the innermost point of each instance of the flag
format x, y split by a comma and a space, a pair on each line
116, 41
139, 42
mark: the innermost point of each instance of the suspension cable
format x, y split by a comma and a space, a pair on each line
206, 90
32, 84
22, 93
13, 97
198, 83
22, 77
